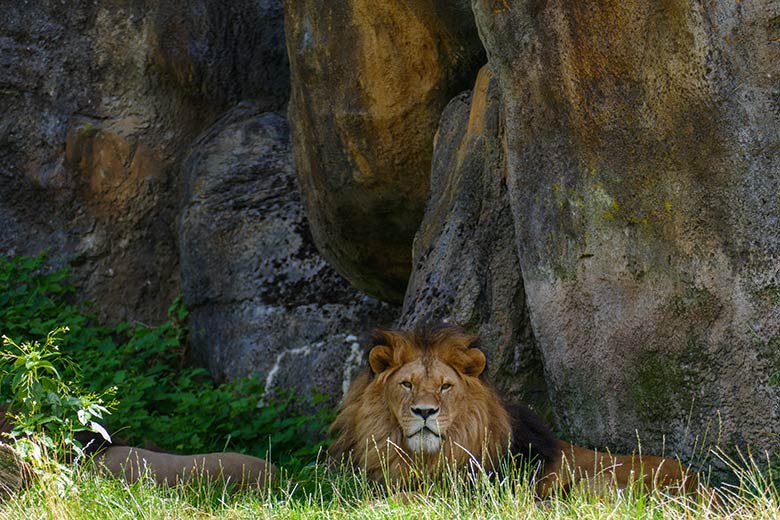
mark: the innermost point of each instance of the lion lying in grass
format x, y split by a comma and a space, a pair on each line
424, 399
168, 469
131, 464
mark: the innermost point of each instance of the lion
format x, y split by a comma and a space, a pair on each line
424, 403
132, 464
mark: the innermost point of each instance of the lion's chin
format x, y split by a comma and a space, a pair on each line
424, 441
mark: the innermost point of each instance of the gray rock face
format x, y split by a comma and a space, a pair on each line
466, 268
100, 100
369, 81
643, 176
75, 86
261, 299
101, 103
224, 52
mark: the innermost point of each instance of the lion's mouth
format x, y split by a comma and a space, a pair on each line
424, 440
424, 430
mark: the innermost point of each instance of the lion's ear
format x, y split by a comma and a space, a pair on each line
380, 358
475, 362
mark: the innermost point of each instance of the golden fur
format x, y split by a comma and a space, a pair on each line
424, 400
376, 419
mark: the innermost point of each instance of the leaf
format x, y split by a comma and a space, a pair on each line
53, 398
97, 428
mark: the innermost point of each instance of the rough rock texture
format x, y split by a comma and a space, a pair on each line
369, 81
466, 268
643, 171
635, 142
93, 130
261, 299
224, 52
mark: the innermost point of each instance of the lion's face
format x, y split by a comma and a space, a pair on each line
423, 397
423, 394
425, 384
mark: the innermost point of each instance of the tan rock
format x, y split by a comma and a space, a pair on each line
113, 166
369, 81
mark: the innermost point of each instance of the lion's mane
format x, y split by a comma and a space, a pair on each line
370, 436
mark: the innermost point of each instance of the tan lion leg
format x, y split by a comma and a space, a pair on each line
168, 469
599, 471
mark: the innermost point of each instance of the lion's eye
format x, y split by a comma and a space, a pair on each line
406, 384
445, 387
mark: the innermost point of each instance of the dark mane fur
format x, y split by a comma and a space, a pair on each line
424, 335
531, 437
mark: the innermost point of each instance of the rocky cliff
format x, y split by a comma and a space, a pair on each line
593, 187
141, 144
642, 172
603, 210
100, 102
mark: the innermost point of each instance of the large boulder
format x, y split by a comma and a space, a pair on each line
369, 81
466, 268
643, 175
261, 300
100, 101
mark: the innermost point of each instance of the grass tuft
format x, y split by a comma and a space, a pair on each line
330, 495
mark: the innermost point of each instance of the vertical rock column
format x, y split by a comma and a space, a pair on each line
643, 169
369, 81
465, 260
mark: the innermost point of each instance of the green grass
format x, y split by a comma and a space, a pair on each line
319, 494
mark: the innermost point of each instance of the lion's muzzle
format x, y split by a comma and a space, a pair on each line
424, 433
425, 440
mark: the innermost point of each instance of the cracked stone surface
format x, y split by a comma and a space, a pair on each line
262, 300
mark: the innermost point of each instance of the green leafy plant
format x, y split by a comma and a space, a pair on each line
34, 300
161, 400
45, 408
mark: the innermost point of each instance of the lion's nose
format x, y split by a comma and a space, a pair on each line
424, 411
